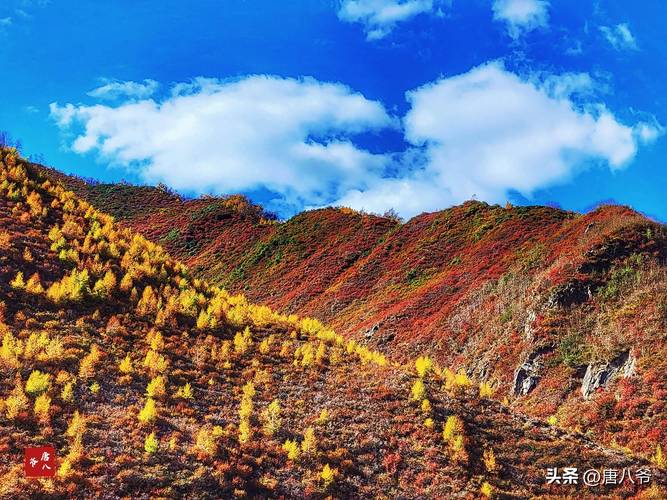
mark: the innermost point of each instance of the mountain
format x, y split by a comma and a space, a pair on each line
563, 314
149, 381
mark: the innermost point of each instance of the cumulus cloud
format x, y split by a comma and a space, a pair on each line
113, 90
521, 16
483, 134
293, 137
620, 37
488, 131
379, 17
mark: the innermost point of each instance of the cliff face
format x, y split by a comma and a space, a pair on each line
541, 303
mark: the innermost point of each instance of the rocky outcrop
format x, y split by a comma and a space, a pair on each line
528, 374
529, 326
372, 331
600, 374
570, 294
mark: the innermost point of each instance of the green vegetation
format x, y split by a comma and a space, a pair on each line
573, 350
621, 277
262, 251
172, 235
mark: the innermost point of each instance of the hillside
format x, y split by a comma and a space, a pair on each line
564, 314
150, 382
111, 318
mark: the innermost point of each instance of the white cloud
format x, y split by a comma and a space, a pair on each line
647, 133
379, 17
113, 90
488, 131
620, 37
20, 10
479, 134
294, 137
521, 15
567, 84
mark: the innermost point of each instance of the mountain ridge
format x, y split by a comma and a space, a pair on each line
166, 392
530, 299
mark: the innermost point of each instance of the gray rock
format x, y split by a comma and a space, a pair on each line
529, 327
372, 331
600, 374
527, 375
569, 294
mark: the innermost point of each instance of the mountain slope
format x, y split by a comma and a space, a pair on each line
564, 314
151, 383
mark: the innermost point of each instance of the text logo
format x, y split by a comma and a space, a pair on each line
40, 461
595, 477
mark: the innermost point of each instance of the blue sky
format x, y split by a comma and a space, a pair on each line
407, 104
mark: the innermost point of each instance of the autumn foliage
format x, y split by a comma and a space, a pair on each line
152, 382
